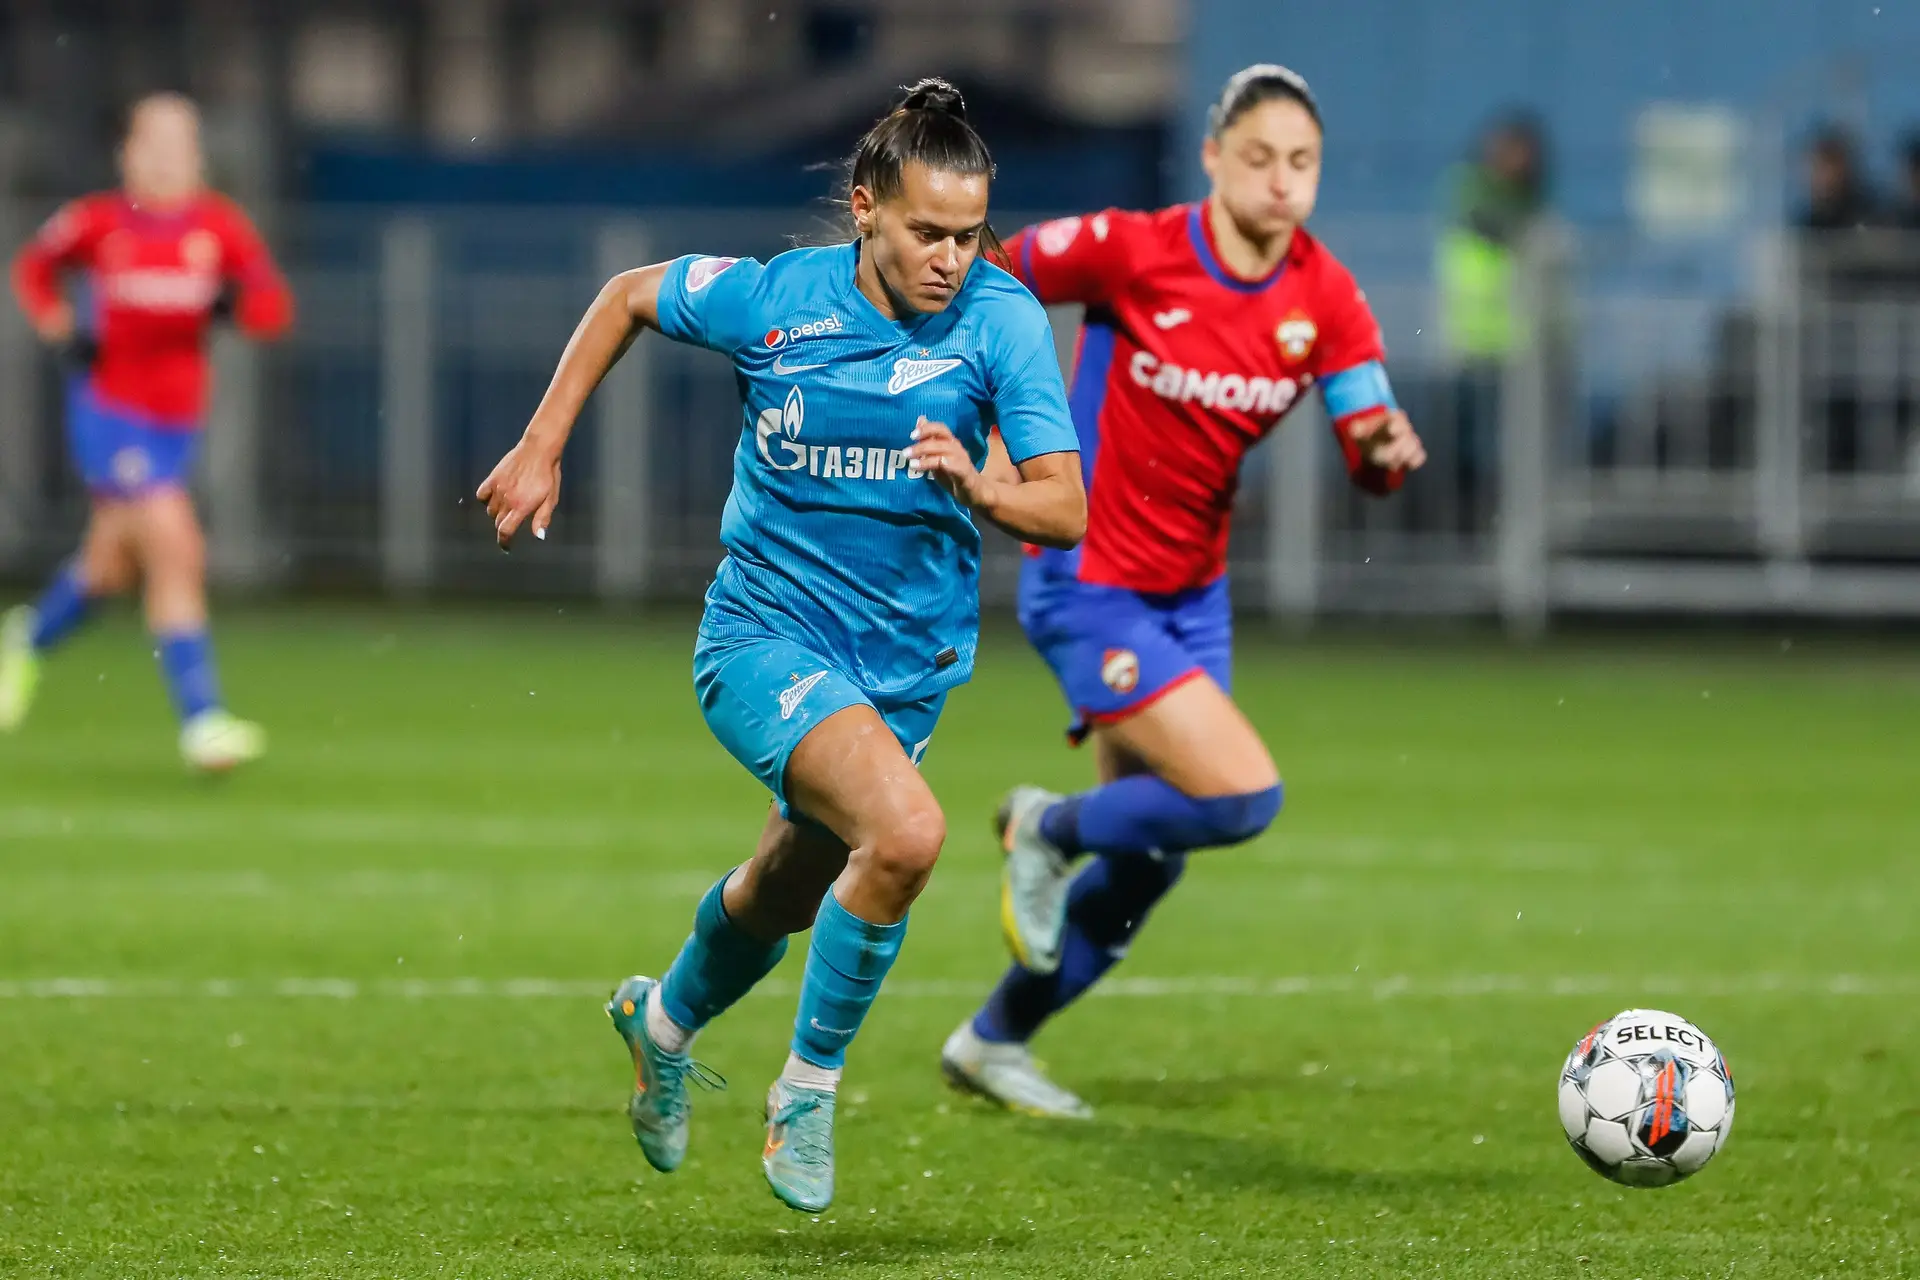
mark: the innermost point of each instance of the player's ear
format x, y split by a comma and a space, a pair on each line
1210, 156
861, 203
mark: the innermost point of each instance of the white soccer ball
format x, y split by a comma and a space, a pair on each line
1646, 1098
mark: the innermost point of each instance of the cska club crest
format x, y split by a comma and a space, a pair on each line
1120, 670
1296, 336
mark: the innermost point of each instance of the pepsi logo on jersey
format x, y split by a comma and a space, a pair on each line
1225, 391
777, 338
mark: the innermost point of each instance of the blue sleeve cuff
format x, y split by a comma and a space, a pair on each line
1361, 389
675, 320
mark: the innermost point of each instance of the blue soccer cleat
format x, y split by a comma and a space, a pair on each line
799, 1153
660, 1108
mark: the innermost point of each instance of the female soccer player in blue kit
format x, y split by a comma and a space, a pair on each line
848, 602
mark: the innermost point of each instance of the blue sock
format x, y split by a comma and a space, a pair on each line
1143, 814
1106, 905
61, 610
186, 657
716, 966
846, 963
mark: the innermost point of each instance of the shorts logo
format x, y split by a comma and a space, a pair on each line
1120, 670
794, 694
1055, 238
131, 467
1296, 336
704, 271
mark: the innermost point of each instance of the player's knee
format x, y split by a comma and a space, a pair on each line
107, 571
170, 535
185, 549
904, 850
1238, 818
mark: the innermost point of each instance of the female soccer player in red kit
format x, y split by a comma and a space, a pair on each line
161, 258
1204, 324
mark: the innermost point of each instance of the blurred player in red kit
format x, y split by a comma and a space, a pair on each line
158, 261
1205, 324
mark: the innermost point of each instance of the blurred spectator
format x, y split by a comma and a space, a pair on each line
1839, 196
1846, 273
1492, 202
1908, 214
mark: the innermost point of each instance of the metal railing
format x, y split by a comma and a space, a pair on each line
1667, 439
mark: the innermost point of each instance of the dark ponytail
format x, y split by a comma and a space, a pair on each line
930, 127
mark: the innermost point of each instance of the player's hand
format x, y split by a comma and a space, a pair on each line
57, 326
526, 483
1389, 442
937, 452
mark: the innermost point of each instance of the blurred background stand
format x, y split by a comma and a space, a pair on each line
1661, 331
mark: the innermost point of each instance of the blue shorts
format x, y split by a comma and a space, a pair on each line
761, 695
121, 453
1116, 651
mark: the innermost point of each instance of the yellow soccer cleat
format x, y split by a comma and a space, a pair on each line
215, 741
19, 667
1033, 881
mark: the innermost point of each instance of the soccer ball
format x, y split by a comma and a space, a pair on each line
1646, 1098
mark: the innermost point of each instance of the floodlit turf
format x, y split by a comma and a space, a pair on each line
340, 1016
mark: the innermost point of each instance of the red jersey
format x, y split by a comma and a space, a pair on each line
153, 280
1181, 369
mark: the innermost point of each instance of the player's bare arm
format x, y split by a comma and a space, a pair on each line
527, 481
1041, 500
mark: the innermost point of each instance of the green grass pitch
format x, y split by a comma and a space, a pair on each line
340, 1016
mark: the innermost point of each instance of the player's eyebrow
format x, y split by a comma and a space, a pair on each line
921, 224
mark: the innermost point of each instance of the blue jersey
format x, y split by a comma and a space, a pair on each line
831, 543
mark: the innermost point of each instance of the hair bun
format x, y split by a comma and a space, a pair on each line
935, 94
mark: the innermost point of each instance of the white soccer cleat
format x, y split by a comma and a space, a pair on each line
1008, 1075
215, 741
19, 667
1033, 881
